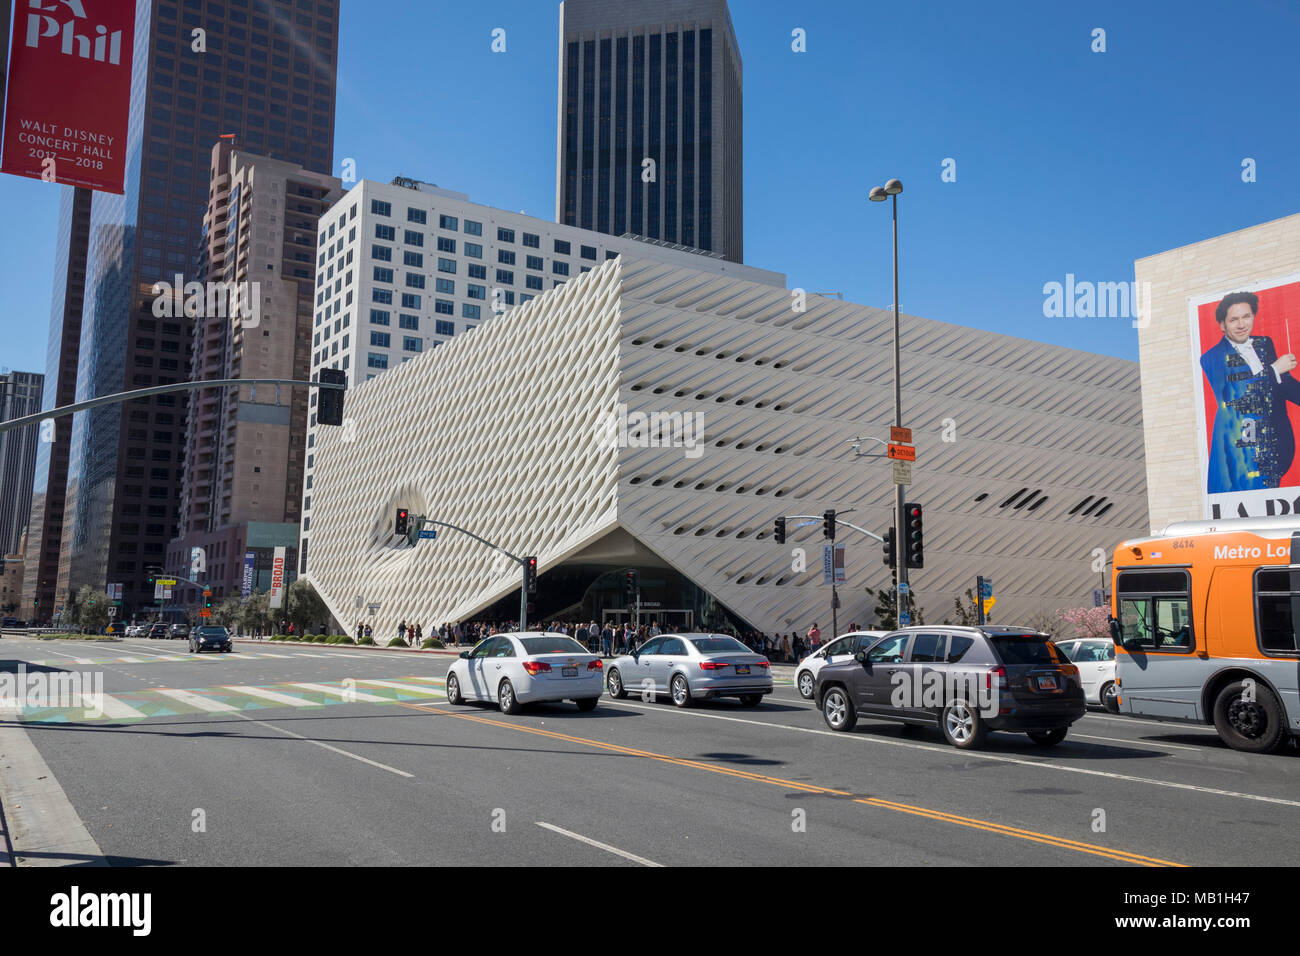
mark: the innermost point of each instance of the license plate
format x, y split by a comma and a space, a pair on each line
569, 671
1047, 683
742, 668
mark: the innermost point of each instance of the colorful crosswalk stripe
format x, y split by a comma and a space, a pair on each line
194, 700
271, 695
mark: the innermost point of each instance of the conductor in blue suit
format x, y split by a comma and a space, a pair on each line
1252, 444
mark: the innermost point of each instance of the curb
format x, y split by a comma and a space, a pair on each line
347, 647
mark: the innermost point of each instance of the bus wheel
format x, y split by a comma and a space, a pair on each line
1250, 720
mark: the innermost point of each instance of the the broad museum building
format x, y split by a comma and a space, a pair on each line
652, 417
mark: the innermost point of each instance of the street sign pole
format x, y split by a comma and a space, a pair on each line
979, 600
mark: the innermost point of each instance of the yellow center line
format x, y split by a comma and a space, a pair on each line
1123, 856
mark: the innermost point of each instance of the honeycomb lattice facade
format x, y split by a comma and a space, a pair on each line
1029, 455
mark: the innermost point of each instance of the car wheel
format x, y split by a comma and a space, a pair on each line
962, 726
506, 698
750, 700
587, 703
1255, 726
454, 696
614, 683
837, 709
805, 684
1048, 738
1110, 697
681, 691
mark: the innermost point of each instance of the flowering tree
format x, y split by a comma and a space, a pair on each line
1085, 621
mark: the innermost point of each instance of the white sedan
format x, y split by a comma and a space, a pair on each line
1095, 658
512, 670
840, 649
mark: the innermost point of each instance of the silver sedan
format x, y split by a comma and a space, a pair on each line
691, 667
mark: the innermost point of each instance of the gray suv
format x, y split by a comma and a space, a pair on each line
968, 681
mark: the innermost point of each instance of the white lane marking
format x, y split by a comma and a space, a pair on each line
270, 695
130, 660
977, 755
194, 700
409, 688
305, 654
1136, 742
600, 846
110, 707
347, 694
325, 746
1190, 726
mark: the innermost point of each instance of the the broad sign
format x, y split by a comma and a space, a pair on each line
277, 579
68, 97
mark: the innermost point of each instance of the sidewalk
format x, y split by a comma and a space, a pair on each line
781, 672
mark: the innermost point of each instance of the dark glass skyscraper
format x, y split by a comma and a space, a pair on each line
263, 70
660, 81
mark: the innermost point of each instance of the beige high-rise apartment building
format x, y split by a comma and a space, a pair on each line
245, 446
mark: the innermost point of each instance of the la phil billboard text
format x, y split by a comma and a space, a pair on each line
68, 96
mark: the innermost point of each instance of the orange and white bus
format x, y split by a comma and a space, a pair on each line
1204, 620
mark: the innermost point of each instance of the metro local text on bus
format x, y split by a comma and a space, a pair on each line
1238, 552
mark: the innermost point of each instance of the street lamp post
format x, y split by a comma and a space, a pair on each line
880, 194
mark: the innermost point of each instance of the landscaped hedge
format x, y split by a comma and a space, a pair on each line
398, 642
366, 642
432, 642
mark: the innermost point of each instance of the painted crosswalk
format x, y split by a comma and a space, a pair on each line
237, 656
139, 705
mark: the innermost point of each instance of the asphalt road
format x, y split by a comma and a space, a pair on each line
288, 769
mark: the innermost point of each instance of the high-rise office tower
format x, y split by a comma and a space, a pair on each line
264, 71
45, 526
20, 394
649, 130
245, 447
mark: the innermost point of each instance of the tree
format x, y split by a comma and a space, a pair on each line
227, 612
1086, 621
968, 614
90, 610
305, 608
886, 608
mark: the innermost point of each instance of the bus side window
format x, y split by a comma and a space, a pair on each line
1155, 608
1275, 598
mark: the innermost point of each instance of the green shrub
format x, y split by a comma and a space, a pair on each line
432, 642
366, 642
344, 639
398, 642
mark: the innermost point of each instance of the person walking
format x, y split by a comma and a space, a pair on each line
785, 648
797, 647
456, 632
401, 629
814, 638
419, 636
361, 630
369, 632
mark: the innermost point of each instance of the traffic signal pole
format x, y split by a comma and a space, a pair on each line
523, 565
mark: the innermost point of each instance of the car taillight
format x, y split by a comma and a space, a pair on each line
1000, 673
537, 667
1069, 670
713, 665
595, 665
764, 664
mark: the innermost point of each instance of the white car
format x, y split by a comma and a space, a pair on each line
1095, 658
530, 667
840, 649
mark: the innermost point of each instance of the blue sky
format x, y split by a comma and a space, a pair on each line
1067, 161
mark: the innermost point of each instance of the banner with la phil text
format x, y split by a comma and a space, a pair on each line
68, 97
1245, 342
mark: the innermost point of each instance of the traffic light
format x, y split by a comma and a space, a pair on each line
530, 575
630, 586
329, 404
915, 544
207, 598
401, 524
780, 531
828, 524
887, 547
